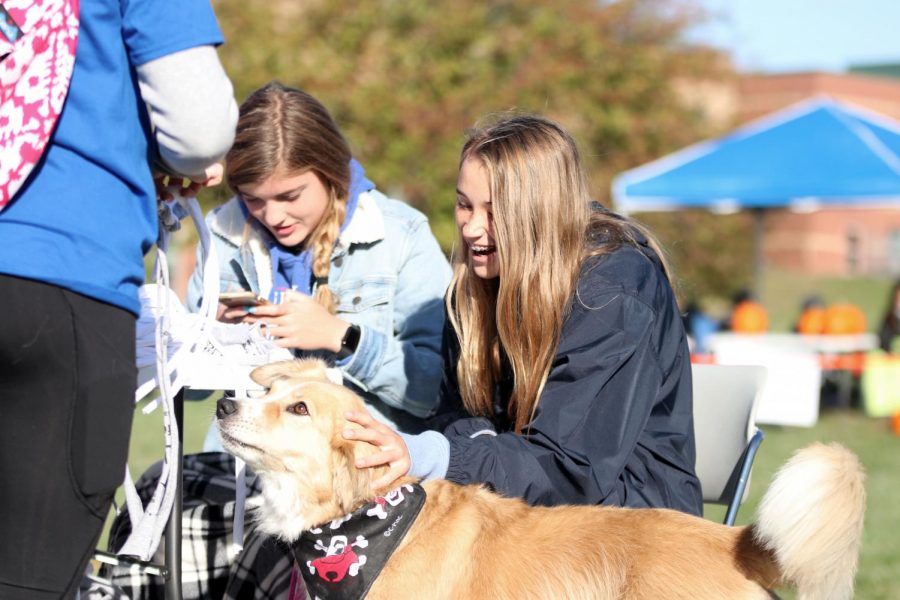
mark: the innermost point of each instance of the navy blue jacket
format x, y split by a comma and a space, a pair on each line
614, 424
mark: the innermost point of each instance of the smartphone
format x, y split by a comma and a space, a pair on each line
241, 299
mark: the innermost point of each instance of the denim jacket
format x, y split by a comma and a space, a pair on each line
389, 275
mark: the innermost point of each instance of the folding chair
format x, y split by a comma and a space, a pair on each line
725, 401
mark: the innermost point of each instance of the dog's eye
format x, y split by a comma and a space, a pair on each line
299, 409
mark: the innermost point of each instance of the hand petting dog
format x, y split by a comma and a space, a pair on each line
392, 451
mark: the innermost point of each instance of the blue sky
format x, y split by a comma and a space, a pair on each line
776, 36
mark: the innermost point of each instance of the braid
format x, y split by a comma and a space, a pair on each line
322, 244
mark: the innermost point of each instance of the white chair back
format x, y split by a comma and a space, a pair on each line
725, 403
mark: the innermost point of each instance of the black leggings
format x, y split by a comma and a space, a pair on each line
67, 380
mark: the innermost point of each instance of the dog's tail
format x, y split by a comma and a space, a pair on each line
811, 519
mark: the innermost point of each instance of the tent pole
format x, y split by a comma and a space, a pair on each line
758, 234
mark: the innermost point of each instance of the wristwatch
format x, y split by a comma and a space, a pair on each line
349, 342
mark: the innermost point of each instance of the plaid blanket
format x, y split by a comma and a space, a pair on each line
210, 567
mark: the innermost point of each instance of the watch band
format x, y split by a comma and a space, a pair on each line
349, 342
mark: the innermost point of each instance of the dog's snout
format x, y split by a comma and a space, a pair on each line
225, 407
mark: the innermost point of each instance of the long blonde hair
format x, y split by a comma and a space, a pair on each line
285, 128
544, 228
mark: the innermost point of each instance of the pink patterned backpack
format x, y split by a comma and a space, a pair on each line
37, 54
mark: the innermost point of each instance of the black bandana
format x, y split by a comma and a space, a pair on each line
343, 558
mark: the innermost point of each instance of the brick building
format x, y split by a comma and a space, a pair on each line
829, 241
834, 241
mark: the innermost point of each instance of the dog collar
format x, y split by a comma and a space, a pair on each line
343, 558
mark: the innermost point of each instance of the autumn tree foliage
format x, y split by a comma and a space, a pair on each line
405, 79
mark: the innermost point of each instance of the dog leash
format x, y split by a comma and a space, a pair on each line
173, 341
148, 523
178, 343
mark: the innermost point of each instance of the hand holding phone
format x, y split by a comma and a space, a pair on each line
234, 299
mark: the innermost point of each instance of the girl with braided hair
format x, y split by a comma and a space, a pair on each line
350, 274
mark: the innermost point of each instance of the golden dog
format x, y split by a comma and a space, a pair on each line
469, 543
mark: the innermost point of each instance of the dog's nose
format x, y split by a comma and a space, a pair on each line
225, 407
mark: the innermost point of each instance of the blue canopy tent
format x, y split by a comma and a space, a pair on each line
813, 154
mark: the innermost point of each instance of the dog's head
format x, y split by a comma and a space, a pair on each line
292, 438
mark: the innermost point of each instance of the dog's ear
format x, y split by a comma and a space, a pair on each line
309, 368
351, 486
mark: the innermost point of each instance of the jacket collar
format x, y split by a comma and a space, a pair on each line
367, 224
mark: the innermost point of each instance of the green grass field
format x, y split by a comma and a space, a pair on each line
871, 439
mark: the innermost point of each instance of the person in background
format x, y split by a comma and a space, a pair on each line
699, 326
811, 320
566, 369
889, 332
739, 298
350, 274
147, 86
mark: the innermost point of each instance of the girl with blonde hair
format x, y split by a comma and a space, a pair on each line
351, 275
566, 366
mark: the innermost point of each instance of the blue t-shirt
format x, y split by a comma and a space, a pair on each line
88, 214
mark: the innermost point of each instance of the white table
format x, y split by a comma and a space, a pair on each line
824, 344
792, 391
